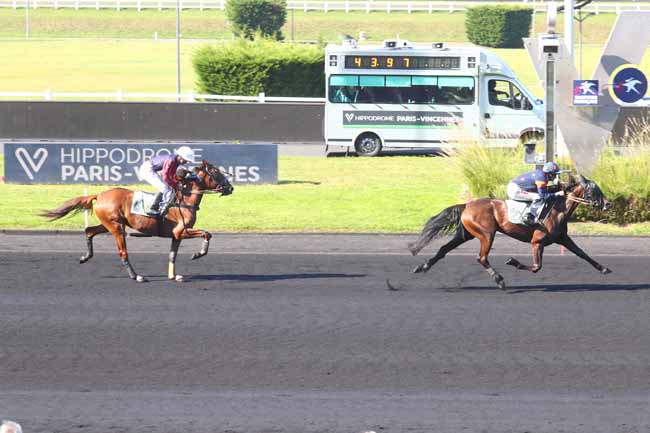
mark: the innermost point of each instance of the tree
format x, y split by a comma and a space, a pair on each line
257, 17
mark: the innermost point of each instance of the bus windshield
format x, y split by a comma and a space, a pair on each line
401, 89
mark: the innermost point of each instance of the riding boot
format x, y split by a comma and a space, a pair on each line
163, 208
154, 210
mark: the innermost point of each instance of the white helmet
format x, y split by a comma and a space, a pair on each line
186, 153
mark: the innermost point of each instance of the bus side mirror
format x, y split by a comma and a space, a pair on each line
529, 153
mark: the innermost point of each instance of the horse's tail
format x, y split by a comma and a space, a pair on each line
445, 223
74, 205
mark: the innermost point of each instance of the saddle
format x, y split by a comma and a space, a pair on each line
517, 211
142, 202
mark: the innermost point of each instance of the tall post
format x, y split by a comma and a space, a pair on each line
26, 19
178, 50
549, 99
568, 28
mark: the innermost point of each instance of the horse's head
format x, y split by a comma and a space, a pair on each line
212, 179
589, 191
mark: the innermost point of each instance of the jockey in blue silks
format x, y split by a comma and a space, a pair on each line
533, 187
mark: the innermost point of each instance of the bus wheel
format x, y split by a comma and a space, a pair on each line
368, 144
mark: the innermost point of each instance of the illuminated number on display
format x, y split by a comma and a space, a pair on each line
389, 62
357, 62
407, 62
373, 62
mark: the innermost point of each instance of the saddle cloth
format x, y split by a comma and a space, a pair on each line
517, 210
142, 202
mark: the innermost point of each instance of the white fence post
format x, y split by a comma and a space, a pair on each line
97, 4
451, 8
76, 5
304, 5
388, 7
409, 6
367, 6
56, 4
191, 96
262, 98
119, 95
86, 211
159, 5
13, 3
201, 5
222, 5
347, 6
118, 6
47, 94
139, 5
325, 7
430, 7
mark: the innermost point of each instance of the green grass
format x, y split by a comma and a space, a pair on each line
389, 195
146, 65
106, 23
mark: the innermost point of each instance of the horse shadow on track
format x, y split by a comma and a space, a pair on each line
270, 277
563, 288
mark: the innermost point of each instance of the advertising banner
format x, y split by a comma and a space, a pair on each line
412, 119
119, 163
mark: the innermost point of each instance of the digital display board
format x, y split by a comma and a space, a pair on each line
401, 62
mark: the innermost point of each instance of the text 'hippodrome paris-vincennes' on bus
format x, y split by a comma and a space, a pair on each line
117, 164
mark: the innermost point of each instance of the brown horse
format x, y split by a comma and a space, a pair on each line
482, 218
113, 209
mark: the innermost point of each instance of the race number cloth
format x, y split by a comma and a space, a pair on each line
517, 210
141, 202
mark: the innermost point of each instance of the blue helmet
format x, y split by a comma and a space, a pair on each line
551, 167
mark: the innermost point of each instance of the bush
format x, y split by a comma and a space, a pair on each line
248, 68
487, 170
498, 26
257, 17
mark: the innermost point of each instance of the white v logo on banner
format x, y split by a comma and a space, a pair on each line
349, 116
29, 164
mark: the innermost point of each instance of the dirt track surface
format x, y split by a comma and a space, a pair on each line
298, 333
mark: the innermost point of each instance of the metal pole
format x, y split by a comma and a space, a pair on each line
292, 11
27, 19
178, 50
580, 41
549, 99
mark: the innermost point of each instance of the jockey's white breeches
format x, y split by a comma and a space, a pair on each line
147, 173
516, 193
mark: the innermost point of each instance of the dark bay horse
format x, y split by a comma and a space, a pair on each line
482, 218
113, 209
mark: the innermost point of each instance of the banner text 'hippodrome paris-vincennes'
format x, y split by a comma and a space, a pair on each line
119, 163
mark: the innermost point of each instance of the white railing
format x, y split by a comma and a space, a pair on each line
367, 6
120, 95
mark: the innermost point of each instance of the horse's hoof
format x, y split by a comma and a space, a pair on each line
512, 261
501, 282
83, 259
179, 278
420, 269
197, 256
605, 271
140, 279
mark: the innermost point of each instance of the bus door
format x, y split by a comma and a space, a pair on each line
506, 112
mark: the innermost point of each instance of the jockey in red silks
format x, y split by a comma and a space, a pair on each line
165, 182
533, 186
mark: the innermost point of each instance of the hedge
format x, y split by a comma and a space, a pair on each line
248, 68
498, 26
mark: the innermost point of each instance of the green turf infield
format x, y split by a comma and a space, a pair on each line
383, 195
131, 60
